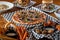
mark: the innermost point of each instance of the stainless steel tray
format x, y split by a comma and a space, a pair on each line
29, 5
56, 7
38, 36
8, 16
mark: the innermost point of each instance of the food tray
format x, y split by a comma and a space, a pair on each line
56, 36
8, 16
56, 7
38, 36
29, 5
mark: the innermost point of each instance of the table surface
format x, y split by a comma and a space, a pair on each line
37, 3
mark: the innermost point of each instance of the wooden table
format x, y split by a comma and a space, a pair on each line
37, 3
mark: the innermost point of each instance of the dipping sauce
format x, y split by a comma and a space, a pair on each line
3, 7
11, 34
23, 2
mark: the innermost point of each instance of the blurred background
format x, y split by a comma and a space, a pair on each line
38, 1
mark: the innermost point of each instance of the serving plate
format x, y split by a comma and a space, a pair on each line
29, 5
10, 5
49, 11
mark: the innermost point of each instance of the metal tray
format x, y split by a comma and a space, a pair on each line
29, 5
56, 7
8, 16
38, 36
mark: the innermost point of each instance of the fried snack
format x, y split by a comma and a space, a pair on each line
22, 32
47, 1
2, 22
45, 24
50, 31
23, 2
58, 27
20, 35
29, 17
2, 25
38, 31
25, 35
49, 23
2, 31
8, 24
44, 32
